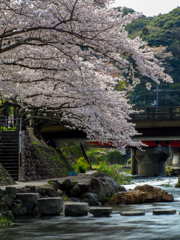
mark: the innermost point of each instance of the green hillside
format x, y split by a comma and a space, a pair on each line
163, 34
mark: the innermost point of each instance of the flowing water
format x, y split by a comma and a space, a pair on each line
116, 227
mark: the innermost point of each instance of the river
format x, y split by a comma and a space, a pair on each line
116, 227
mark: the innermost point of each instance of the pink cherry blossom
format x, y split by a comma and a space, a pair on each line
66, 57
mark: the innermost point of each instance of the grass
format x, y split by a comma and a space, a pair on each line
167, 184
55, 163
115, 171
5, 129
5, 222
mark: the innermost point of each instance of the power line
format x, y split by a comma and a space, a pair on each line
163, 90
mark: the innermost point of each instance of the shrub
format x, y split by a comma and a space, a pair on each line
115, 157
129, 161
81, 165
169, 171
104, 168
96, 155
115, 171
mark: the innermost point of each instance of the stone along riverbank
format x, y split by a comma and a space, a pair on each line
85, 191
118, 226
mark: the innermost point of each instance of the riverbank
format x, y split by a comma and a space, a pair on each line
148, 226
47, 197
43, 182
92, 188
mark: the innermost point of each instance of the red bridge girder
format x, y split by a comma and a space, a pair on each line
165, 143
172, 143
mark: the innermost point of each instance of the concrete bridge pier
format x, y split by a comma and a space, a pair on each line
176, 159
151, 161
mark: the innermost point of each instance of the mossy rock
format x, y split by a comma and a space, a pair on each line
54, 183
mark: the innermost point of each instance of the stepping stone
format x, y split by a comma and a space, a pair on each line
101, 211
133, 213
50, 206
29, 201
75, 209
159, 212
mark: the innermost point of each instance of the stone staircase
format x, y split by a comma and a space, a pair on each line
9, 152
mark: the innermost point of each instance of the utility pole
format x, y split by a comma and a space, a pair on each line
157, 90
157, 96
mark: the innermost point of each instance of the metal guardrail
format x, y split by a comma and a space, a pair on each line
156, 114
10, 124
145, 114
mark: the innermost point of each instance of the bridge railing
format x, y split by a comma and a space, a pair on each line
156, 114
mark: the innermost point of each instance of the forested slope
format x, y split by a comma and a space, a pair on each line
161, 32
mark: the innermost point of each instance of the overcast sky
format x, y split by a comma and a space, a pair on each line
149, 8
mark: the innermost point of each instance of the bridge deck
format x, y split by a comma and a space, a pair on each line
155, 124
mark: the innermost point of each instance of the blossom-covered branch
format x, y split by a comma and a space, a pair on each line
62, 55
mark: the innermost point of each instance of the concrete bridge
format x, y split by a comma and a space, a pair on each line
160, 128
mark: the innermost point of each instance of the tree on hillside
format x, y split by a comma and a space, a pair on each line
66, 56
159, 32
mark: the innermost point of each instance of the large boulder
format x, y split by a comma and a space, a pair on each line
18, 210
54, 183
1, 193
30, 189
29, 201
104, 187
131, 197
50, 206
108, 186
155, 194
75, 191
142, 194
91, 199
3, 207
21, 190
116, 186
96, 186
8, 200
65, 185
84, 186
11, 191
47, 191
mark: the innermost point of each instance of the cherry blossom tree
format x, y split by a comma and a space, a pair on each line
66, 57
